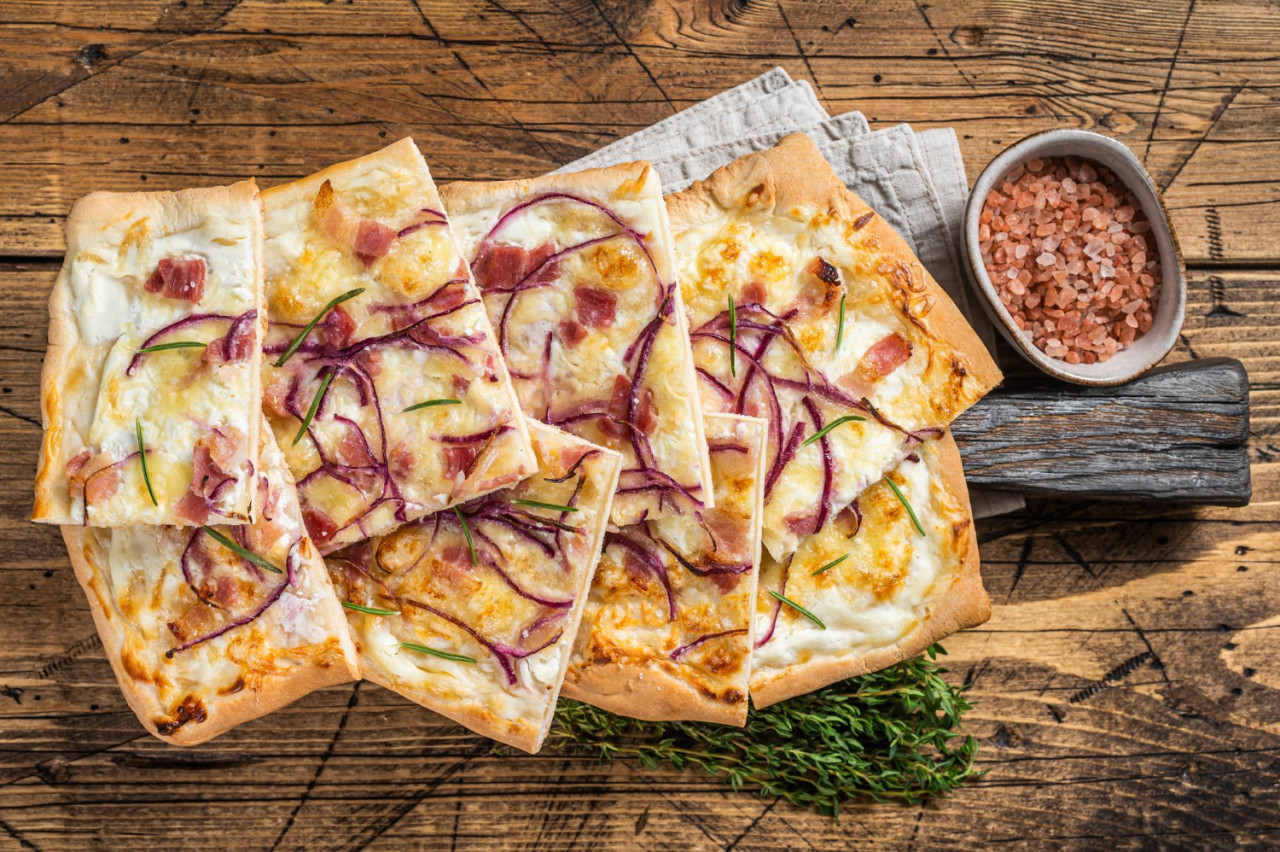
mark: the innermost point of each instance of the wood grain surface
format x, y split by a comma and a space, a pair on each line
1126, 688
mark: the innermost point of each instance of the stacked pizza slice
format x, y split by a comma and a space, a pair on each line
477, 443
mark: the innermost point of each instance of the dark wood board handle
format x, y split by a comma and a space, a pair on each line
1177, 434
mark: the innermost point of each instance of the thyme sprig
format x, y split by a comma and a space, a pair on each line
887, 736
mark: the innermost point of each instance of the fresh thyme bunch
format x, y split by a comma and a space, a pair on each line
888, 736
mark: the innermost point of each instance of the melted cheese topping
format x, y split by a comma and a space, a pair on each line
397, 465
629, 629
882, 592
429, 562
748, 251
137, 579
115, 242
630, 263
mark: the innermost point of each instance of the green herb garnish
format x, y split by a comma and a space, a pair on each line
302, 335
315, 406
431, 403
142, 456
833, 424
840, 327
247, 555
886, 736
371, 610
177, 344
733, 337
534, 504
444, 655
786, 600
910, 511
466, 530
833, 563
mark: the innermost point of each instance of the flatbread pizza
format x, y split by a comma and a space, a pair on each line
472, 613
579, 282
206, 628
888, 576
150, 392
807, 309
382, 379
667, 633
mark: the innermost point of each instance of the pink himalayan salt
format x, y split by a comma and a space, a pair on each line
1066, 244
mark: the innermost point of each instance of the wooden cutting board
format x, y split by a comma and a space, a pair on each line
1177, 434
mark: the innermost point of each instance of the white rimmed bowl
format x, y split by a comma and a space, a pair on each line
1148, 350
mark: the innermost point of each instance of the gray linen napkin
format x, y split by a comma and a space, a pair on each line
915, 181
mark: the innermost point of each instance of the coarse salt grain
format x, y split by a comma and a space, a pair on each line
1095, 281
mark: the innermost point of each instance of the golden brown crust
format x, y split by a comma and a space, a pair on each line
795, 174
964, 604
88, 215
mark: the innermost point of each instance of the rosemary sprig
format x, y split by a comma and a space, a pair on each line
733, 337
247, 555
444, 655
177, 344
840, 327
315, 406
833, 563
833, 424
887, 736
302, 335
466, 531
555, 507
903, 499
142, 457
431, 403
786, 600
371, 610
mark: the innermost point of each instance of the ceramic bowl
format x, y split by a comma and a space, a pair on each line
1145, 352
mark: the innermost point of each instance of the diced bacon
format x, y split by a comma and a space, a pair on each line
236, 345
460, 385
337, 328
319, 525
353, 449
729, 532
821, 292
614, 425
885, 355
453, 564
571, 333
401, 462
499, 268
595, 308
275, 395
76, 463
458, 459
373, 240
270, 499
823, 271
646, 412
805, 524
196, 621
754, 294
493, 483
101, 484
224, 447
192, 508
724, 582
181, 279
449, 296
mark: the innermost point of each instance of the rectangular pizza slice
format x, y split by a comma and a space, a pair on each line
891, 574
150, 392
472, 612
382, 379
808, 309
209, 627
579, 282
667, 633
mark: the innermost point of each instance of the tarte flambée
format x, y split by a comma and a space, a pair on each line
473, 613
578, 279
396, 403
667, 633
150, 392
201, 638
807, 309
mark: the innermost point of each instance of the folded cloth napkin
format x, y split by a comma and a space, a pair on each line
915, 181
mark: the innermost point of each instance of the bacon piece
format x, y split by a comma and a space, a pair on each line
196, 621
353, 449
236, 345
192, 508
729, 532
821, 291
754, 294
453, 564
499, 268
224, 447
614, 425
181, 279
458, 459
646, 412
571, 332
882, 358
373, 240
402, 461
823, 271
724, 581
101, 484
368, 240
595, 308
76, 463
337, 328
275, 395
319, 525
805, 524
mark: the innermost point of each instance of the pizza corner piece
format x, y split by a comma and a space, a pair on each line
150, 391
472, 612
382, 380
890, 575
667, 633
578, 278
210, 627
807, 309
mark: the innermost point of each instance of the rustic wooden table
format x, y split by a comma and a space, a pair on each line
1127, 688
